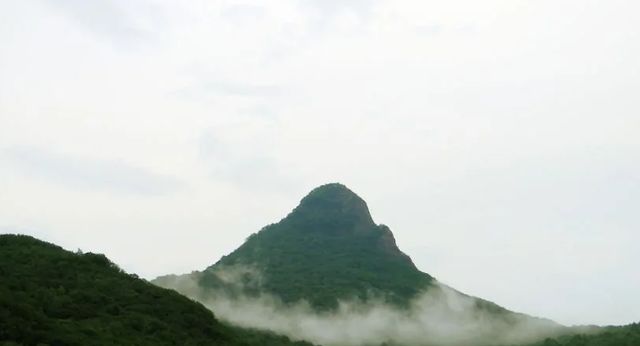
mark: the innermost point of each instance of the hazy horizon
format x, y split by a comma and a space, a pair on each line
498, 139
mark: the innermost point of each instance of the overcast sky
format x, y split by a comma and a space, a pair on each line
499, 140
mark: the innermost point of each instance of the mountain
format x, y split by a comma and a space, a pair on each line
327, 250
49, 296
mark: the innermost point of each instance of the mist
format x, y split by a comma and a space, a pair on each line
438, 316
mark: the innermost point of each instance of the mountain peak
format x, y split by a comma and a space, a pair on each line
335, 192
326, 250
333, 204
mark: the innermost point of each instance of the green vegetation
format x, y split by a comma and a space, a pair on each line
607, 336
49, 296
326, 249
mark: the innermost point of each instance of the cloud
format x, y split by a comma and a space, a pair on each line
438, 316
428, 29
330, 8
88, 173
233, 89
113, 20
323, 16
237, 161
243, 13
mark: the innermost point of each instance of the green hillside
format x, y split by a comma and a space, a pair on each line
326, 249
49, 296
595, 336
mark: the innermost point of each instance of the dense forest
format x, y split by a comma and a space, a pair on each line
49, 296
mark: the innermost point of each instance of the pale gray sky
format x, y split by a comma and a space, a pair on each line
498, 139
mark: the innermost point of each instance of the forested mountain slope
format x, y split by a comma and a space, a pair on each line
49, 296
327, 250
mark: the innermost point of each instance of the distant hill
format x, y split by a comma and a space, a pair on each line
597, 336
49, 296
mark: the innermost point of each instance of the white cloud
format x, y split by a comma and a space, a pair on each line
84, 173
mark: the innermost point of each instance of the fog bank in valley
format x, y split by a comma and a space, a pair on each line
439, 316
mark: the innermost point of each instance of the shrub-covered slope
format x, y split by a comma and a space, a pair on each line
50, 296
328, 248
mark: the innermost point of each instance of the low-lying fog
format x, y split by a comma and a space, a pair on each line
440, 316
